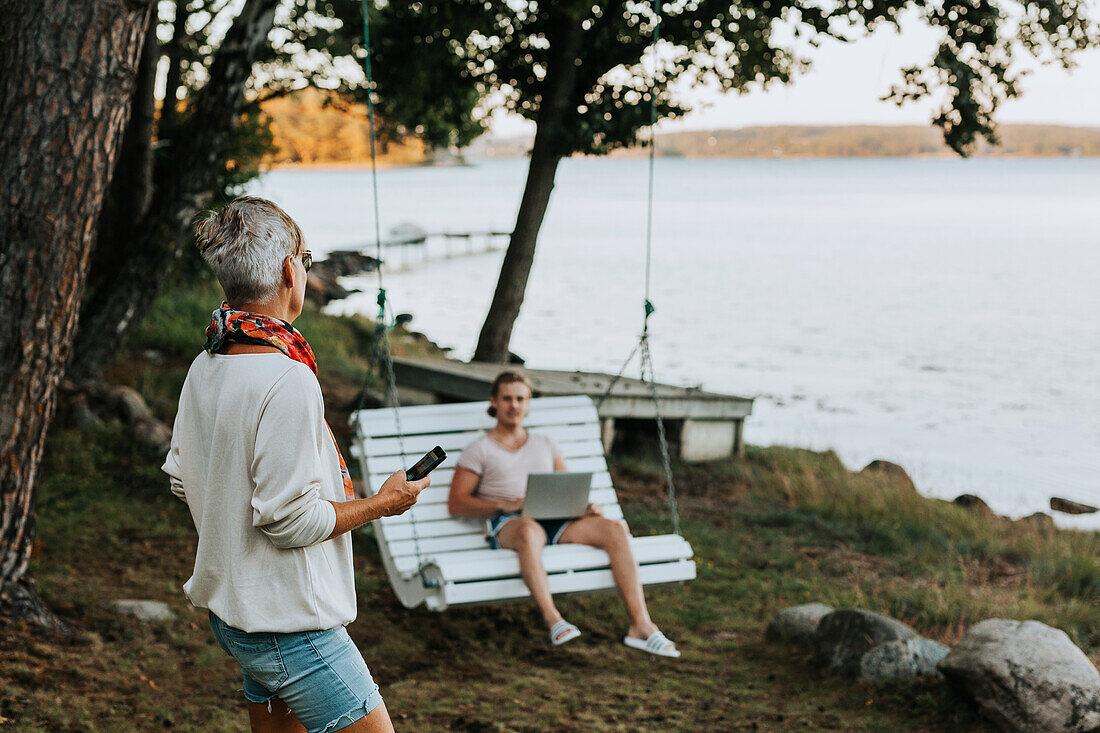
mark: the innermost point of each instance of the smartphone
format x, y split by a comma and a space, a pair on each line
425, 465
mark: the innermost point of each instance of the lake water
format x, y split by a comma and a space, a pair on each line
942, 314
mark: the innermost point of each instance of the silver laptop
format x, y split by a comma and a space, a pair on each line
558, 495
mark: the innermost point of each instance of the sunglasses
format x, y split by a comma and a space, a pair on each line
307, 260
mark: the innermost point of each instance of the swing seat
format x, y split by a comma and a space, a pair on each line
454, 565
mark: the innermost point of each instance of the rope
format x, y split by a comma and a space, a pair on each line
670, 484
647, 373
381, 341
652, 154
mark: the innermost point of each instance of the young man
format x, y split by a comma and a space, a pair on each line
490, 481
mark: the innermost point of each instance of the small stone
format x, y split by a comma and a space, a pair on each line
974, 504
843, 637
1026, 676
143, 610
890, 469
798, 624
1072, 507
896, 659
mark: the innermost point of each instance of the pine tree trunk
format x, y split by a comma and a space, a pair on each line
144, 248
67, 71
546, 153
128, 200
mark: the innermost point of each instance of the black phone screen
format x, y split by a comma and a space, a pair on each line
424, 466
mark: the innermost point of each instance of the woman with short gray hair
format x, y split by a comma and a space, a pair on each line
268, 490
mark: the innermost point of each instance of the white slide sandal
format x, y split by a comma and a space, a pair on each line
657, 643
562, 632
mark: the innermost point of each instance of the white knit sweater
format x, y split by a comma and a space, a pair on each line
256, 466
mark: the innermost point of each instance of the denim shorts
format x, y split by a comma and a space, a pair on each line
552, 527
320, 675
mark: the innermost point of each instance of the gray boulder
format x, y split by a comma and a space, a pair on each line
798, 624
890, 469
973, 504
130, 402
1026, 676
843, 637
1039, 520
1066, 506
143, 610
895, 659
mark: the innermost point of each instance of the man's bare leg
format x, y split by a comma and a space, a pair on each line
612, 537
281, 720
527, 538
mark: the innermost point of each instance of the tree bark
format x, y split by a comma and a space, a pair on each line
67, 72
193, 163
546, 152
128, 201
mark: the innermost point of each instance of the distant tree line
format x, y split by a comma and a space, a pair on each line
873, 141
312, 128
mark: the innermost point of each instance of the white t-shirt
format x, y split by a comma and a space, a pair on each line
504, 472
254, 462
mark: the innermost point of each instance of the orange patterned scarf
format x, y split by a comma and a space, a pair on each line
228, 325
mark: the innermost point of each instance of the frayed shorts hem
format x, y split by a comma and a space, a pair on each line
373, 700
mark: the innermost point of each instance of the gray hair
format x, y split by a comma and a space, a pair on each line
245, 244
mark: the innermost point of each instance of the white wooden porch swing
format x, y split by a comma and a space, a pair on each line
435, 559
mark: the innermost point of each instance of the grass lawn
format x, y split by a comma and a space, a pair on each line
775, 528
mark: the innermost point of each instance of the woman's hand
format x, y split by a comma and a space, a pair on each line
399, 495
594, 510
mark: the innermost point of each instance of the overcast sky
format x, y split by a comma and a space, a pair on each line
846, 81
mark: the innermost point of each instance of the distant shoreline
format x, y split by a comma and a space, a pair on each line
336, 166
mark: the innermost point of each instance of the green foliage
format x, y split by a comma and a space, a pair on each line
469, 56
175, 323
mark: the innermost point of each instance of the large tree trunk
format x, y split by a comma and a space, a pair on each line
546, 153
67, 71
143, 249
128, 201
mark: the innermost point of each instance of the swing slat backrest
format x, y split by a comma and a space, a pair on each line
440, 560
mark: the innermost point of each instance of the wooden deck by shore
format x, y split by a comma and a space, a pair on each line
705, 425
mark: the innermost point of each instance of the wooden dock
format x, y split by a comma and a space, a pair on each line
408, 247
706, 425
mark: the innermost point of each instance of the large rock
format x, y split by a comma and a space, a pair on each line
890, 469
798, 624
1026, 676
130, 403
1066, 506
1040, 520
975, 504
153, 433
843, 637
323, 285
895, 659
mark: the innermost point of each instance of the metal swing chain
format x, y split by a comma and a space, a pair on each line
382, 341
